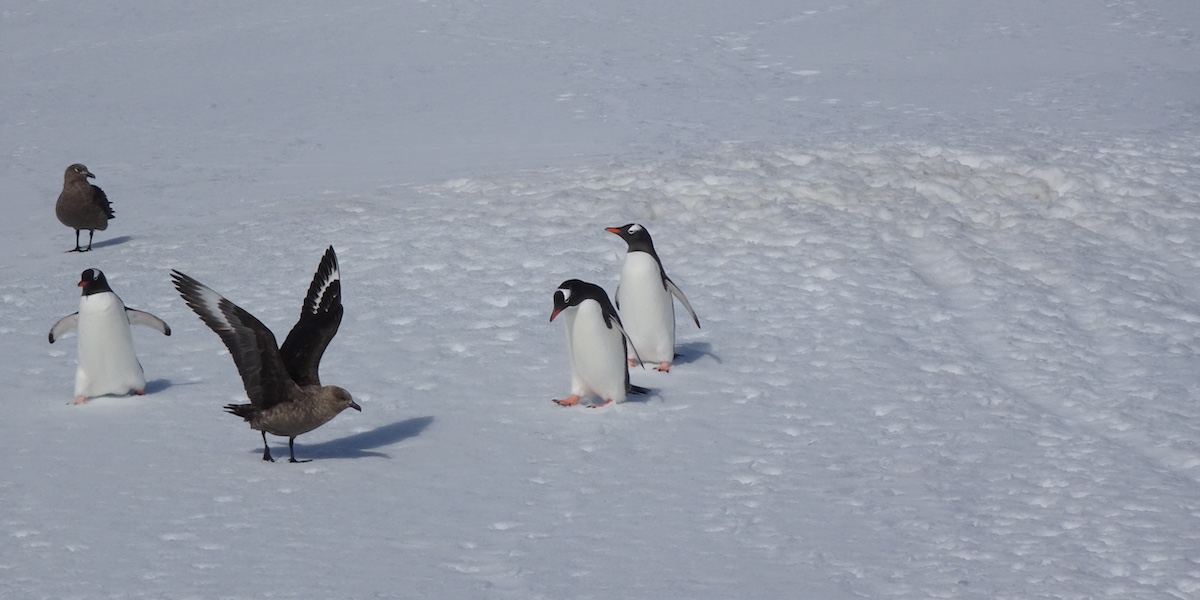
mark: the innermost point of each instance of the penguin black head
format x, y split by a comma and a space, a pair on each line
574, 292
636, 236
565, 296
93, 282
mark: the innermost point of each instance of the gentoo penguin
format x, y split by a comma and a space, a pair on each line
595, 344
107, 363
82, 205
285, 391
644, 298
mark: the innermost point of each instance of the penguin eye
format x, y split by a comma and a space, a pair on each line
635, 228
565, 293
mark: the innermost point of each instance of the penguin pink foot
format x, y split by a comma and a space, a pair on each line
80, 399
568, 401
665, 367
606, 402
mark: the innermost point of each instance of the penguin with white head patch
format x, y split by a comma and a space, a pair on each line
595, 344
644, 299
107, 362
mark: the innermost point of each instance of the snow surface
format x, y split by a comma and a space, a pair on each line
945, 254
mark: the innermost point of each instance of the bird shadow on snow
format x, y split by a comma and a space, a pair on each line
693, 351
120, 239
360, 445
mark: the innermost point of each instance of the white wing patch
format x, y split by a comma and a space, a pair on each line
210, 303
334, 275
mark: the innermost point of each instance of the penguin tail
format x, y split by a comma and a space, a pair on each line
638, 390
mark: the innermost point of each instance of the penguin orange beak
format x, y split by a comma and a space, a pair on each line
616, 230
555, 313
82, 283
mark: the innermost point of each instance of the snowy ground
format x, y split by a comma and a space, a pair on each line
945, 255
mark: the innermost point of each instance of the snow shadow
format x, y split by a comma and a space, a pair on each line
361, 445
693, 351
159, 385
120, 239
651, 393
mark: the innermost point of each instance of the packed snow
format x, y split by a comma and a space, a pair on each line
946, 258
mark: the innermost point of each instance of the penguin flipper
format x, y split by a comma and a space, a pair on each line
145, 319
64, 326
617, 324
678, 293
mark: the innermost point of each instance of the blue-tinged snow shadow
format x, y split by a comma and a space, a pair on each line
644, 397
120, 239
650, 394
360, 445
160, 385
692, 352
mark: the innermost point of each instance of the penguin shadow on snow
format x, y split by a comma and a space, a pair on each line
644, 397
361, 445
152, 388
161, 385
693, 351
120, 239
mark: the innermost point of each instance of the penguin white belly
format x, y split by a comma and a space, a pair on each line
107, 363
597, 354
647, 309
